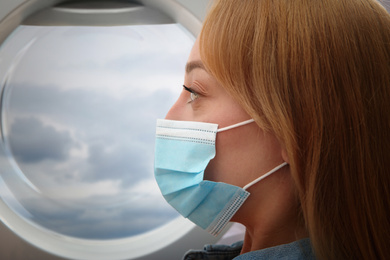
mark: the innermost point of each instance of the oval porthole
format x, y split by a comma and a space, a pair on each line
78, 111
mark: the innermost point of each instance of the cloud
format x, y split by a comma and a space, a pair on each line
107, 57
126, 162
31, 141
91, 220
100, 137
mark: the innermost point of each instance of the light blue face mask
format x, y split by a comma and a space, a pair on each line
183, 151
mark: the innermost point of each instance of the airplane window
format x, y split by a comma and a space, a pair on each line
81, 86
78, 112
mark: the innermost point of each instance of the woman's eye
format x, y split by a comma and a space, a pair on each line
193, 94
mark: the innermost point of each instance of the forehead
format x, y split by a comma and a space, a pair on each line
195, 53
194, 61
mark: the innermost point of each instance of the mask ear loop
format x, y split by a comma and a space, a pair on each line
236, 125
264, 176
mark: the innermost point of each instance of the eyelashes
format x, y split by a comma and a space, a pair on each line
193, 94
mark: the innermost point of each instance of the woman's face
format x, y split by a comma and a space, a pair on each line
243, 153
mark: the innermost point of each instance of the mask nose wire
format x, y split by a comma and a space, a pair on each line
235, 125
264, 176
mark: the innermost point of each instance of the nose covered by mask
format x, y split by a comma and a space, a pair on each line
182, 153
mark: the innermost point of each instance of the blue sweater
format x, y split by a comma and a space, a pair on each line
298, 250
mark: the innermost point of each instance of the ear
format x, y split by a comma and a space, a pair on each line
284, 156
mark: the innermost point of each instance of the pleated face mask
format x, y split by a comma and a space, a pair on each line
182, 153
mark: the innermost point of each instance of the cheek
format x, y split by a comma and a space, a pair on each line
228, 160
243, 156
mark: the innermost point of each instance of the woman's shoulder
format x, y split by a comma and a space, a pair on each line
298, 250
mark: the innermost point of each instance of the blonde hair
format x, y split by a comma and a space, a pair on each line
317, 75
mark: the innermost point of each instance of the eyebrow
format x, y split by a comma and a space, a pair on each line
190, 66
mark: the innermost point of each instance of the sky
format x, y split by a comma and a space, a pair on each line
79, 123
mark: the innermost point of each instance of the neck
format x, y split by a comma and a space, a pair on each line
271, 214
257, 239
